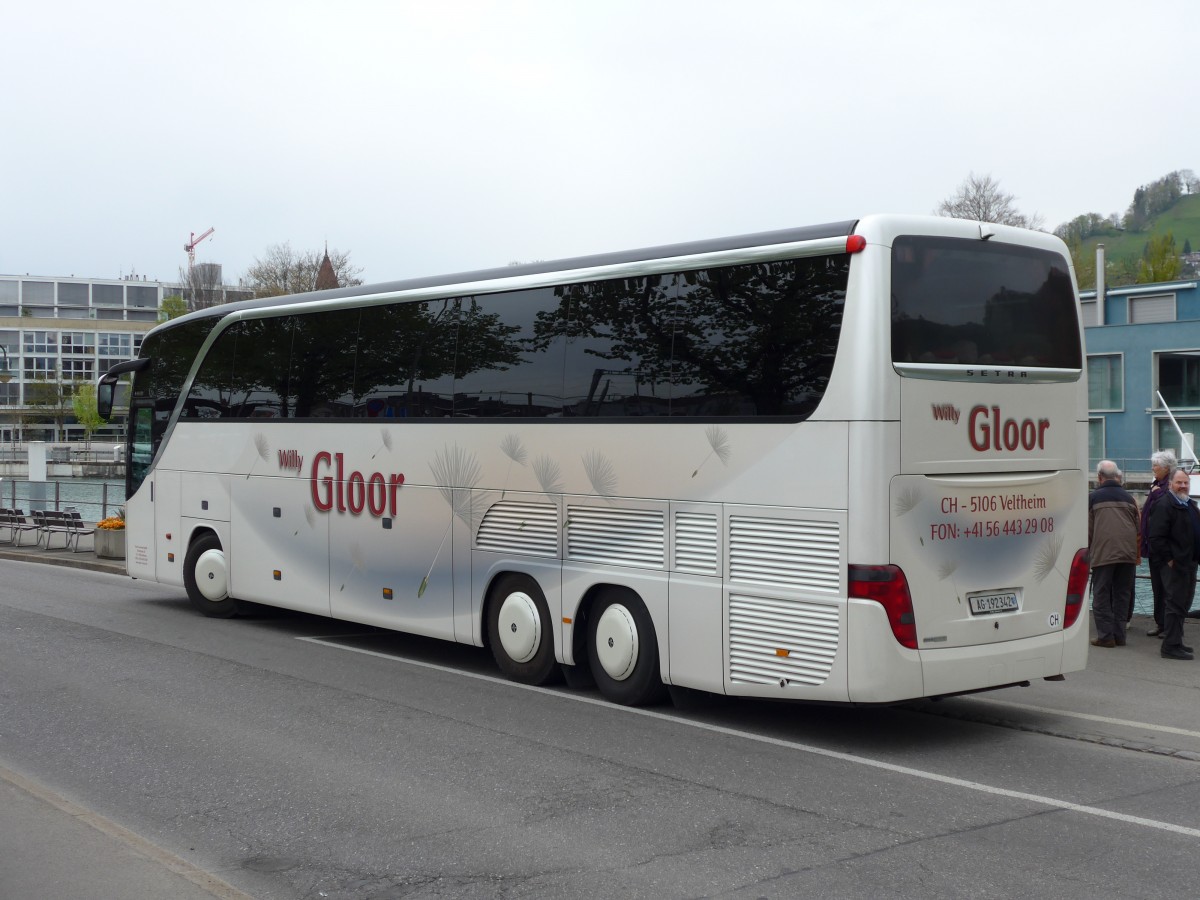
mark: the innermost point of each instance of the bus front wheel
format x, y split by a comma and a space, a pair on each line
623, 650
206, 577
520, 630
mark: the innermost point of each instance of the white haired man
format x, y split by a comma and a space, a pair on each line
1114, 553
1163, 464
1175, 535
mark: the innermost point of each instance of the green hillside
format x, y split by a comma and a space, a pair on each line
1182, 220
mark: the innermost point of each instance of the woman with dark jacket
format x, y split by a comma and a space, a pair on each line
1162, 463
1175, 537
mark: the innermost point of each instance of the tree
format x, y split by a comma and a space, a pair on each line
202, 286
1160, 260
84, 406
172, 308
49, 401
282, 270
980, 199
1157, 197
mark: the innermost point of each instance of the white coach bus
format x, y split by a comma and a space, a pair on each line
839, 463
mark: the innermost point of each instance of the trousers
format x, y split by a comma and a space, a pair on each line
1180, 581
1112, 595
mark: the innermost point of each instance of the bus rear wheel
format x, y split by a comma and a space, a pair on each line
520, 631
206, 578
623, 650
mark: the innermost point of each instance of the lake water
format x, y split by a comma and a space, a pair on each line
93, 498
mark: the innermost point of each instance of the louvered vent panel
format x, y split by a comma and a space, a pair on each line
619, 537
511, 526
785, 553
772, 640
696, 543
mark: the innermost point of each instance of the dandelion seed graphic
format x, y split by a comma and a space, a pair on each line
358, 564
946, 570
548, 474
512, 448
907, 501
309, 517
600, 473
455, 471
263, 448
1047, 557
386, 436
718, 442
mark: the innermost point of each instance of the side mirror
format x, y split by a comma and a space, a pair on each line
106, 386
105, 390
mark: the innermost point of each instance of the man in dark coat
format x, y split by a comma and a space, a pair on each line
1175, 536
1113, 553
1163, 464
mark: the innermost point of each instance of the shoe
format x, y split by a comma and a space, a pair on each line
1180, 653
1156, 631
1194, 614
1107, 642
1120, 641
1187, 649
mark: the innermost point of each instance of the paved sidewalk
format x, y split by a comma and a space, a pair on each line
84, 559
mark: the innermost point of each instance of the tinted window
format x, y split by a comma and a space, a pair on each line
967, 302
618, 346
213, 389
757, 340
509, 364
405, 362
262, 362
156, 390
322, 364
751, 340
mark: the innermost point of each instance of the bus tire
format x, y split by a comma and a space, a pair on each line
623, 649
520, 631
206, 577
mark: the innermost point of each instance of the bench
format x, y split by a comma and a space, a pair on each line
69, 524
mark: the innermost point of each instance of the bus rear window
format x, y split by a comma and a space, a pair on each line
958, 302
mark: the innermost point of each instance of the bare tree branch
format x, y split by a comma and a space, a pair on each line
980, 199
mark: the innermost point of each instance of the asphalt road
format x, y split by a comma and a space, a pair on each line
288, 756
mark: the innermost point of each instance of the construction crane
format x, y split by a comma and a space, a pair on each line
190, 246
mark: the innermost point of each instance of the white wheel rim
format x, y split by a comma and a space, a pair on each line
212, 576
520, 627
617, 642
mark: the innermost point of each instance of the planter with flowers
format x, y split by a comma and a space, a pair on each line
110, 537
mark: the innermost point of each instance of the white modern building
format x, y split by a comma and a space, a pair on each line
56, 333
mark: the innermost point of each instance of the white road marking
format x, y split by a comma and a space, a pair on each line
791, 745
1108, 720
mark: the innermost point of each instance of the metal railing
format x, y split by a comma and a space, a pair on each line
93, 500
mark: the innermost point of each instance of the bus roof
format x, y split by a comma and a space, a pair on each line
714, 245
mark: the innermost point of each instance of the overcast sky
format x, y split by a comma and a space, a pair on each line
436, 136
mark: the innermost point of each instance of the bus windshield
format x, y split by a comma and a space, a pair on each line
968, 302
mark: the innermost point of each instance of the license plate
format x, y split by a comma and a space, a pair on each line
995, 602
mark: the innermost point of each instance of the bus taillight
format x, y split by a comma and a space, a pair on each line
887, 586
1076, 585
